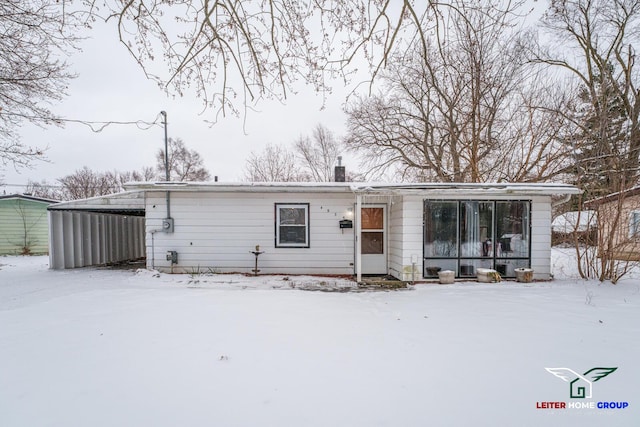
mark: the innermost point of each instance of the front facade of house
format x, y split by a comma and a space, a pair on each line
407, 231
23, 225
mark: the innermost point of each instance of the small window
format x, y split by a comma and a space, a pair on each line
634, 224
292, 225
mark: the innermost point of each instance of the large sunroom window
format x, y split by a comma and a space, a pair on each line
465, 235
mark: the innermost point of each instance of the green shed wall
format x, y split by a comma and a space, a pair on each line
23, 222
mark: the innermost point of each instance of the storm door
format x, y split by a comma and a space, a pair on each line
374, 239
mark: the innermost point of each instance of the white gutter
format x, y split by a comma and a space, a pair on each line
562, 201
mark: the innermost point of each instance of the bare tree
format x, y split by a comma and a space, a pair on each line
233, 53
29, 219
84, 183
318, 154
36, 35
463, 106
184, 164
147, 173
274, 164
599, 40
45, 190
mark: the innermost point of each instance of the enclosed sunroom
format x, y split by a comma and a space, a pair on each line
464, 235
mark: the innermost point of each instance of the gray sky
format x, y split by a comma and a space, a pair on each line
111, 87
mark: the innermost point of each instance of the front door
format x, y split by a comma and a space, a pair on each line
374, 239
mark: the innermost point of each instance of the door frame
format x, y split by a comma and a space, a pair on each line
361, 267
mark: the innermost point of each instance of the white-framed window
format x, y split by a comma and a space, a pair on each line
292, 225
634, 224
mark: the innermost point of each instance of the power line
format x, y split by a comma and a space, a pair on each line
95, 126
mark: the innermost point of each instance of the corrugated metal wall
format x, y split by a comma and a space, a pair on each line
80, 239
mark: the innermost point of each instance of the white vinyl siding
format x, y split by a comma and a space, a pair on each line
541, 237
405, 246
216, 232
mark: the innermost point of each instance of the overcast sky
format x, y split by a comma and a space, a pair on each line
111, 87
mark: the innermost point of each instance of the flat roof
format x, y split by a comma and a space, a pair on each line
132, 201
360, 187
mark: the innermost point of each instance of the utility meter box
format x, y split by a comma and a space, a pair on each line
167, 225
172, 256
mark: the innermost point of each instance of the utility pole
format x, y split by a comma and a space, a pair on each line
167, 223
166, 147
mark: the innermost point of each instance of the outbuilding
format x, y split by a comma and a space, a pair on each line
408, 231
23, 224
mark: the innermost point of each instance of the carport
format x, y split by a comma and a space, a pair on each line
97, 231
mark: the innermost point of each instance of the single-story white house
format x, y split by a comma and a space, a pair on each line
409, 231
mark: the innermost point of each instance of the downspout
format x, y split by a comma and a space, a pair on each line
168, 199
153, 250
358, 236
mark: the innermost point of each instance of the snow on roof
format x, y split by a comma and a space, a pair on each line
633, 191
572, 221
125, 201
133, 198
28, 197
362, 187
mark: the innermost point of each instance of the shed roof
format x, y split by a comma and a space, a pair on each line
613, 197
27, 197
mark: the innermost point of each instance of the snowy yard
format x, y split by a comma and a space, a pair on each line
99, 347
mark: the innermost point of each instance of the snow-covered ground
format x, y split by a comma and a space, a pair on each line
100, 347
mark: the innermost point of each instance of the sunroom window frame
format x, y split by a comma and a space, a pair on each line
493, 260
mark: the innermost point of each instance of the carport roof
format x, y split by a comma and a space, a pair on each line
128, 202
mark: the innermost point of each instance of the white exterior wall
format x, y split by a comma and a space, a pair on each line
216, 232
216, 227
406, 227
541, 237
394, 237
